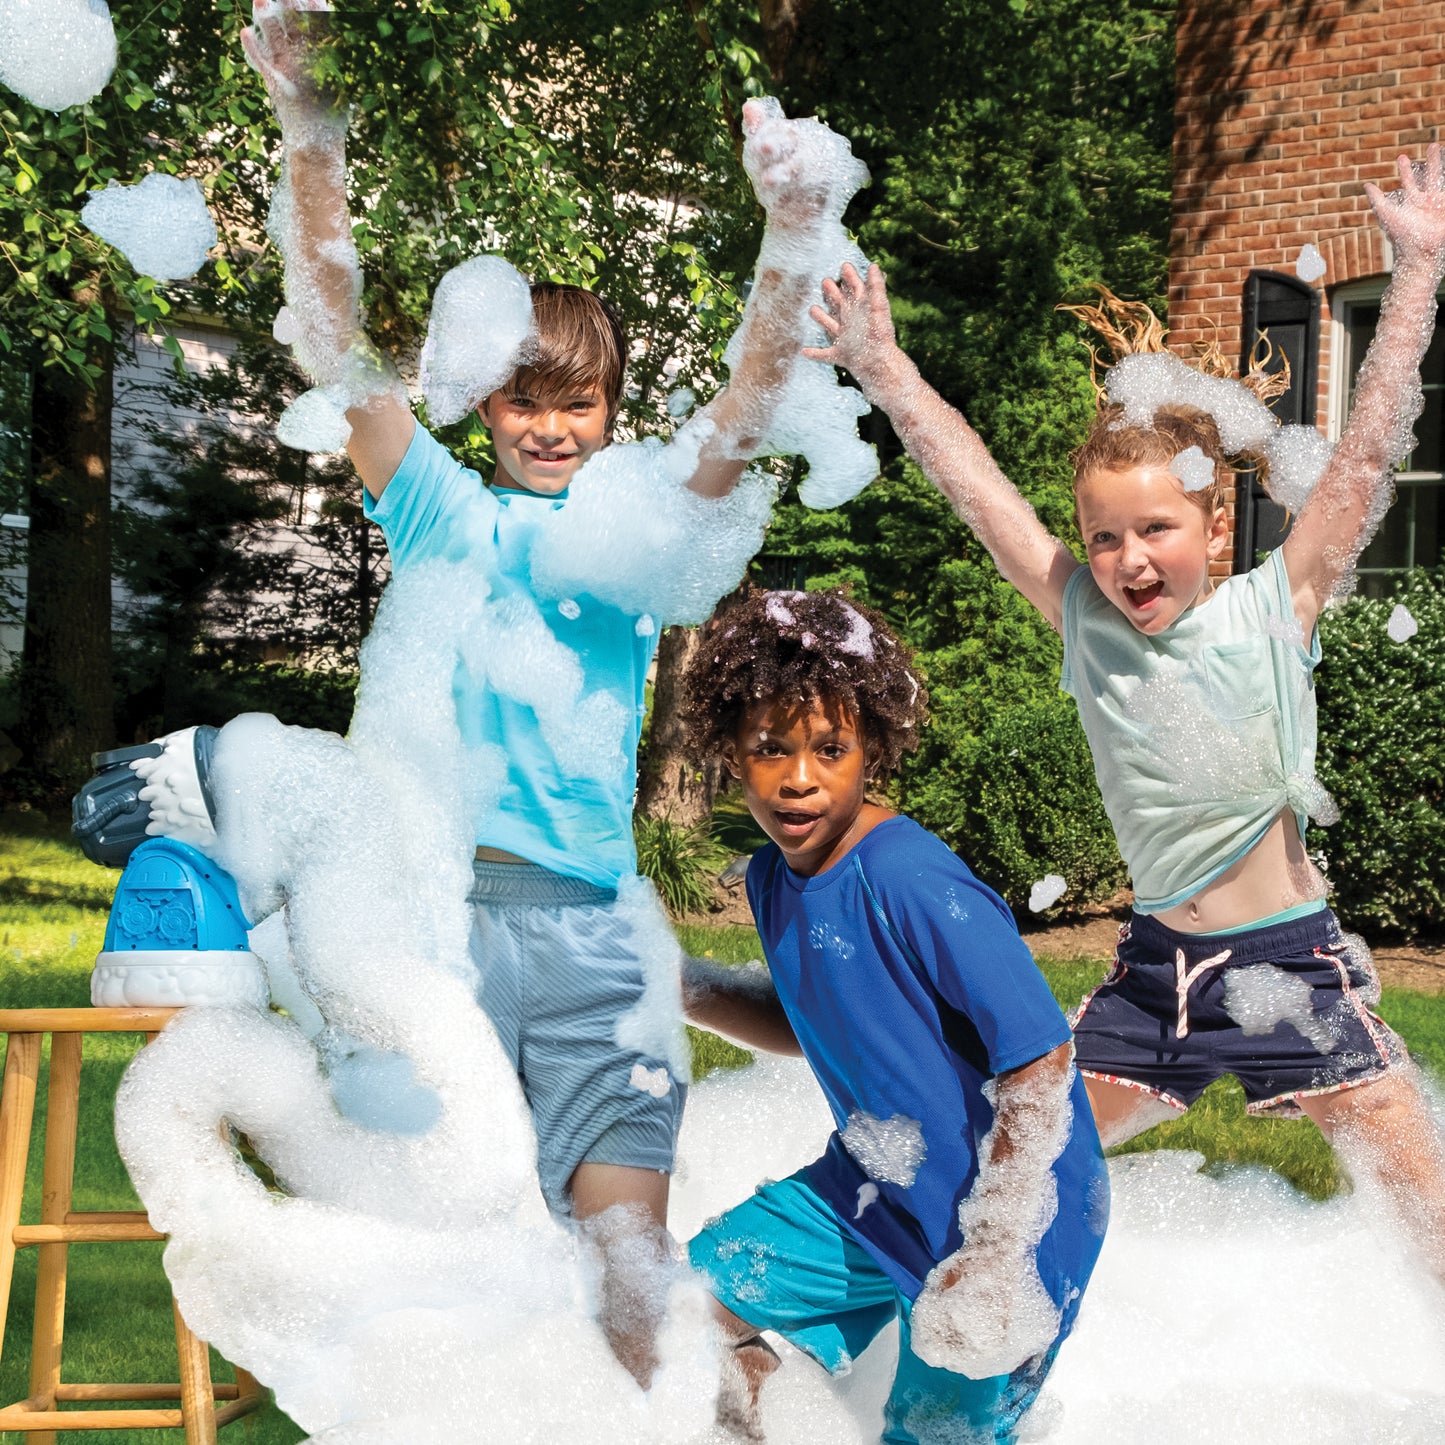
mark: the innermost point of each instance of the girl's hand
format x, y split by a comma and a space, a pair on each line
1414, 216
860, 326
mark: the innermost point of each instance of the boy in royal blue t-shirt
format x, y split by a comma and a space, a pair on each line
964, 1192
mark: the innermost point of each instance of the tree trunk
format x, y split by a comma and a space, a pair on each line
671, 784
781, 21
66, 695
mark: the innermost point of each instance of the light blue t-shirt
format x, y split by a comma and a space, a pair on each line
579, 826
909, 989
1201, 734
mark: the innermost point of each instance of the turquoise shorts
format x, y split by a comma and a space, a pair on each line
784, 1261
559, 966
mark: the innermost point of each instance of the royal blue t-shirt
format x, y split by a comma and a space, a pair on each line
909, 988
580, 826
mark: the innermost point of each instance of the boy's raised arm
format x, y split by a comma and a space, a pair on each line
323, 279
798, 171
1350, 499
984, 1310
949, 451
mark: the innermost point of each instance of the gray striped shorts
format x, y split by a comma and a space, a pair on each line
561, 963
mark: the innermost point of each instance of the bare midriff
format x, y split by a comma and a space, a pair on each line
498, 855
1274, 875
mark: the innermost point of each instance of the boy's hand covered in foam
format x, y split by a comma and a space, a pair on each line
802, 172
280, 46
984, 1311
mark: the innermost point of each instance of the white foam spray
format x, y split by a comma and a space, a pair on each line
1402, 626
1309, 265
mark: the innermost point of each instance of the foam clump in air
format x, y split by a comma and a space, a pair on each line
56, 53
888, 1149
480, 328
1046, 892
984, 1310
1193, 468
681, 401
1309, 265
805, 175
161, 225
1402, 626
1297, 457
634, 534
407, 1280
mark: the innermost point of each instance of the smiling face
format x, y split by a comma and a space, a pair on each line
543, 440
804, 768
1149, 545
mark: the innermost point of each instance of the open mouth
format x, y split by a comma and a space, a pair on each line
1142, 596
794, 822
551, 456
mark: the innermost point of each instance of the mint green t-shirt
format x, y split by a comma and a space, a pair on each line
576, 825
1201, 734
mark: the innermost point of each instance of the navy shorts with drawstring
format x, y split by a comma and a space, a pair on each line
1284, 1007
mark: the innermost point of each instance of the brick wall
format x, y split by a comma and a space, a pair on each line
1283, 109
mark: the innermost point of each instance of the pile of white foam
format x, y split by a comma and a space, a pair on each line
161, 224
408, 1282
1223, 1307
56, 53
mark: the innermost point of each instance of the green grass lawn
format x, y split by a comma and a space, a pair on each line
53, 907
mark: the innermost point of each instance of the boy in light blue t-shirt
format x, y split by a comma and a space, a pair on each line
964, 1193
564, 964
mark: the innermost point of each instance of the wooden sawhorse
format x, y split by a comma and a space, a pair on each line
200, 1414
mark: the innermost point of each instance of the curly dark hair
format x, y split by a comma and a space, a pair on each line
807, 647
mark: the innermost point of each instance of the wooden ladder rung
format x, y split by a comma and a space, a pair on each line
27, 1234
19, 1417
74, 1393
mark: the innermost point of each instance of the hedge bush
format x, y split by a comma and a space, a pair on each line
1382, 755
1018, 801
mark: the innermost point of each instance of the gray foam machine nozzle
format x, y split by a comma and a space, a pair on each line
159, 789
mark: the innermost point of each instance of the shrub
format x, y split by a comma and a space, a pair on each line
1382, 755
1018, 801
681, 862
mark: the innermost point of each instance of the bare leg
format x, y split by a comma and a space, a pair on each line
1121, 1112
623, 1212
749, 1360
1385, 1136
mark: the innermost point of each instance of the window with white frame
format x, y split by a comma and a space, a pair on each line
1413, 531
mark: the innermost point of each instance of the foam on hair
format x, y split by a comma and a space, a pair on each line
1119, 440
782, 647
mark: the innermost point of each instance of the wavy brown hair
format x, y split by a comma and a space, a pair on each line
579, 344
808, 647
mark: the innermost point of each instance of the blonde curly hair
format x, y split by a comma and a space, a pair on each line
1130, 328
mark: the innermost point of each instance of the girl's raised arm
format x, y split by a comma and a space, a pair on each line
1352, 495
943, 444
